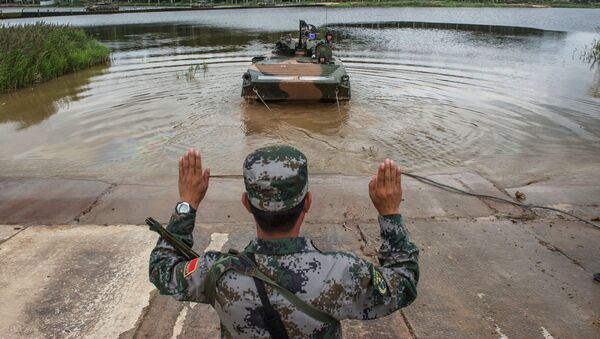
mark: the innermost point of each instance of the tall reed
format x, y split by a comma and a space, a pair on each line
39, 52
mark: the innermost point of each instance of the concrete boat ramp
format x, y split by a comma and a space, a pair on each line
74, 257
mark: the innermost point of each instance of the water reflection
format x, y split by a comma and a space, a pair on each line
30, 106
312, 118
432, 98
596, 86
496, 29
135, 37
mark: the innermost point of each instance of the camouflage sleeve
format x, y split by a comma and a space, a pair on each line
171, 273
379, 291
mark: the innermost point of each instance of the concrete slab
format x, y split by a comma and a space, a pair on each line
46, 201
576, 240
131, 204
477, 184
74, 282
335, 198
391, 327
487, 279
581, 199
480, 277
8, 231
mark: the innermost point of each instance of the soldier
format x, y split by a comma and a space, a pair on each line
286, 45
323, 50
329, 38
309, 291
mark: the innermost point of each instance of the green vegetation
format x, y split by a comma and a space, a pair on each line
36, 53
193, 69
9, 15
359, 3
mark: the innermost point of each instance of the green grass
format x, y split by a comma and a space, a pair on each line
36, 53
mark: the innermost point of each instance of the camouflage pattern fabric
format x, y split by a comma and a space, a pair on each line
276, 178
338, 283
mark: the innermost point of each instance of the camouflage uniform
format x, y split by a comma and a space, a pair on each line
338, 283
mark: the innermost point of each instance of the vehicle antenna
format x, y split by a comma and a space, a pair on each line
326, 25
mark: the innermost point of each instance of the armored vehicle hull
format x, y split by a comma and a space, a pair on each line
300, 69
296, 78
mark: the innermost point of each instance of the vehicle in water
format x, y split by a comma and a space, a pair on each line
303, 69
266, 3
102, 7
202, 4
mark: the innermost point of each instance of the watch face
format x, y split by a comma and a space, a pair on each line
183, 207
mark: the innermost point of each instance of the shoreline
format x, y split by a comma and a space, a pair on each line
32, 11
407, 3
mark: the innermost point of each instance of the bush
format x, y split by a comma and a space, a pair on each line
36, 53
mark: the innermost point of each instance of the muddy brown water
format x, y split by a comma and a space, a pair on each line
433, 97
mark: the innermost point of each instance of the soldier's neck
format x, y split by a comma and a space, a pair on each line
294, 232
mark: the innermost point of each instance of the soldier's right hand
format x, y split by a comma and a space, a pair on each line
193, 183
385, 188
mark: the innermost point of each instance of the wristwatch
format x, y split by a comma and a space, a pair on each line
184, 208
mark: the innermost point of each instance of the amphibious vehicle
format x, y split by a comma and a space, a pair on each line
302, 69
102, 7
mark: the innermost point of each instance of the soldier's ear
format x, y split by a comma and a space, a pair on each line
307, 202
245, 202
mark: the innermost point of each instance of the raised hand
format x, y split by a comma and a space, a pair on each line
385, 188
193, 183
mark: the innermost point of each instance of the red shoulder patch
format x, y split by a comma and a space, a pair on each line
190, 267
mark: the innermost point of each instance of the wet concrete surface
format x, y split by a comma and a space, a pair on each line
488, 270
336, 198
482, 277
47, 201
9, 231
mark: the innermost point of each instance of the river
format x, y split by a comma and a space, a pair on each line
499, 100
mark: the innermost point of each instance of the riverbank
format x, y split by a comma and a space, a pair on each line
37, 53
370, 3
75, 256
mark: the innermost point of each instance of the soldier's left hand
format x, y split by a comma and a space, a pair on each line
193, 183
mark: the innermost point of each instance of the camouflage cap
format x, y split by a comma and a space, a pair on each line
276, 178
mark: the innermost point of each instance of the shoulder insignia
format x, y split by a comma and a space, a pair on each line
379, 282
190, 267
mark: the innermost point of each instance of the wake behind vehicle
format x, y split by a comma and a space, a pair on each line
302, 69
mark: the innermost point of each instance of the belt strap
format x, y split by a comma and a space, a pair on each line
302, 305
240, 263
271, 318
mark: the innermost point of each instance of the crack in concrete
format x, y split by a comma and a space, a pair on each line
524, 212
95, 203
553, 248
411, 329
133, 332
14, 235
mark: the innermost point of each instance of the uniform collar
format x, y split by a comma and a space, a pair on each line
281, 246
